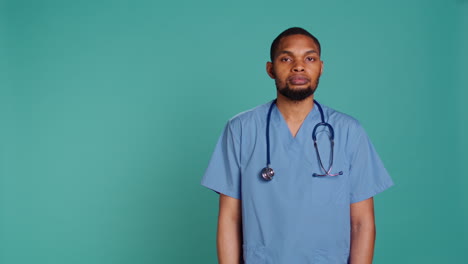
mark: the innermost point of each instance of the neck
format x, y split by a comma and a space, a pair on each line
294, 111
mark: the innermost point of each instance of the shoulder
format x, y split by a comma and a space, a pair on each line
251, 117
340, 118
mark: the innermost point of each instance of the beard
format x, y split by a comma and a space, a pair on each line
297, 94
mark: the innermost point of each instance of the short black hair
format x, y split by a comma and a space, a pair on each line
289, 32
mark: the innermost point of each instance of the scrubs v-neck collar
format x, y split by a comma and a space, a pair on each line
282, 128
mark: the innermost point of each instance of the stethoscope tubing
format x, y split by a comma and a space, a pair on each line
267, 173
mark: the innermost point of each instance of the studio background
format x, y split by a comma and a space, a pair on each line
110, 111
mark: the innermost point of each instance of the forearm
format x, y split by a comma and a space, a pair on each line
362, 243
229, 241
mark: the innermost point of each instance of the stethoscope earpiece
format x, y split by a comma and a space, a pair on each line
321, 175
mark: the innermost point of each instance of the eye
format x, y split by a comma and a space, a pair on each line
285, 59
310, 59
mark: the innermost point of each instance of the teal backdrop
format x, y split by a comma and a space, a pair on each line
110, 111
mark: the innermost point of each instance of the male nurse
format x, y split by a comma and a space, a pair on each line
295, 178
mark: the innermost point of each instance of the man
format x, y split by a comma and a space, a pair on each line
318, 205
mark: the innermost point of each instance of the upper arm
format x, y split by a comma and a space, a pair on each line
362, 212
229, 207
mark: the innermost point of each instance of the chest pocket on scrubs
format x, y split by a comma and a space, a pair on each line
326, 190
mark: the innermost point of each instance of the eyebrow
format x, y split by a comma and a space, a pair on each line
291, 53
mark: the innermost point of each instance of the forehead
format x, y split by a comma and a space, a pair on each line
297, 43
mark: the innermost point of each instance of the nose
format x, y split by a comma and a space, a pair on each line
298, 67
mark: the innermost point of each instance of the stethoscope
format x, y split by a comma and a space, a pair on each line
267, 173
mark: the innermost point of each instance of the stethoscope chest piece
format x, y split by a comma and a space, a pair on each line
267, 173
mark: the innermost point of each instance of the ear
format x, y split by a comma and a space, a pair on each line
321, 68
269, 69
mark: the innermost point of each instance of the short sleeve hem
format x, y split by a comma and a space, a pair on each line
367, 195
218, 190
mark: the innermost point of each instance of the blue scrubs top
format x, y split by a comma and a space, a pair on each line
295, 217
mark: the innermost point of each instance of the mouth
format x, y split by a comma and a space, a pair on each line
298, 80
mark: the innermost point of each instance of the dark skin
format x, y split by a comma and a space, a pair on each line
229, 235
297, 65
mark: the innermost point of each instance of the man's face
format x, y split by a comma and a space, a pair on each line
296, 67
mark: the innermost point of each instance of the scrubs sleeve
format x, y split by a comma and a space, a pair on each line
223, 173
368, 175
